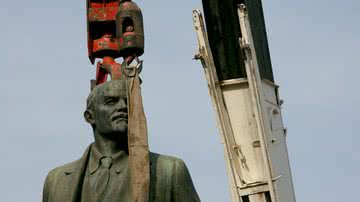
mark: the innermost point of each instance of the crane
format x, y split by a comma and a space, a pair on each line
233, 50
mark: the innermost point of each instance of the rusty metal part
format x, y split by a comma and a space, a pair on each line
130, 29
106, 67
130, 71
101, 74
101, 26
115, 28
102, 14
106, 42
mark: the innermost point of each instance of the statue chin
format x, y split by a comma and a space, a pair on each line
120, 128
115, 131
117, 135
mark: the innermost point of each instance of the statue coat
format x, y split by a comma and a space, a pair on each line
170, 181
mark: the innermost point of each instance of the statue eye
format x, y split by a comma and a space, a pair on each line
110, 102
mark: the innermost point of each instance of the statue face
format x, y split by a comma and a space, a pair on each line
110, 115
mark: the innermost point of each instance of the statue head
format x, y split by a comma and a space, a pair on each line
106, 109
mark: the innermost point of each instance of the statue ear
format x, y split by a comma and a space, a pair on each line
89, 117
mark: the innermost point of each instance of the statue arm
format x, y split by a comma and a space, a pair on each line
48, 185
45, 196
183, 188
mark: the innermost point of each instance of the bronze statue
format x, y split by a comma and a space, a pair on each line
102, 173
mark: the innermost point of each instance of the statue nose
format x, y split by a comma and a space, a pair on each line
122, 104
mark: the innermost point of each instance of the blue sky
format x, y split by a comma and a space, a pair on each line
45, 73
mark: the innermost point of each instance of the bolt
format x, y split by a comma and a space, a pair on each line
129, 28
275, 112
197, 56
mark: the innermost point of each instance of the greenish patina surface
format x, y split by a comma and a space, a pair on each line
106, 111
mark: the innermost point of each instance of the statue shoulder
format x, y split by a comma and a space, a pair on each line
60, 171
165, 163
55, 179
165, 160
173, 172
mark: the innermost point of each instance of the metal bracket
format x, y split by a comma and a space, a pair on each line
129, 70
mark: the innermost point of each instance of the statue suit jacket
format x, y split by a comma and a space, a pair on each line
170, 181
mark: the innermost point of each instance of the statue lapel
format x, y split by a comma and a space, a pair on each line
77, 177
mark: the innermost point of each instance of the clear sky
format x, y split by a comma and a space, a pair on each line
45, 73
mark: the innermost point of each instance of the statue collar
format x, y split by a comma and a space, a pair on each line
120, 160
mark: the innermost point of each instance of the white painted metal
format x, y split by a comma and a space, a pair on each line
269, 120
222, 118
257, 197
255, 87
249, 119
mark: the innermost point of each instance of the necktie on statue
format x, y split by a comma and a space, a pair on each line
103, 177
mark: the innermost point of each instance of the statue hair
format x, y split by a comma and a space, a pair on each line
99, 90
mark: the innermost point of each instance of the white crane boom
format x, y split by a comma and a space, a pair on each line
248, 112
